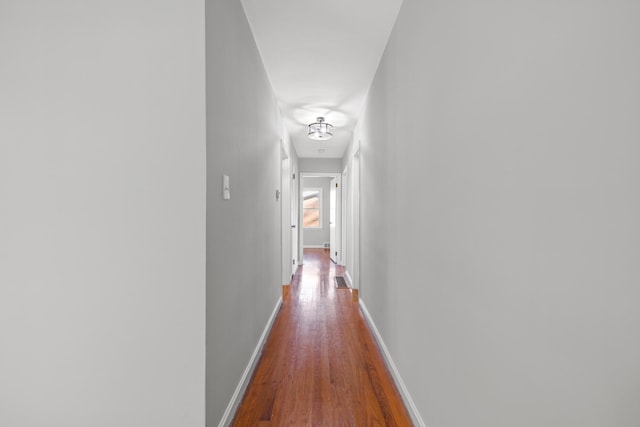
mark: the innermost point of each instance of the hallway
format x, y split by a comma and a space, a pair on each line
320, 365
152, 166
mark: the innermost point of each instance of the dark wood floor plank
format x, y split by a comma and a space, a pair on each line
321, 365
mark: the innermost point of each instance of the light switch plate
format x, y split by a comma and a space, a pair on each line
226, 193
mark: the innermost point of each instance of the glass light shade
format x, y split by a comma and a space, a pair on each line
320, 130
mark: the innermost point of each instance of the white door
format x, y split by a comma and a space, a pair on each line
342, 239
294, 219
284, 197
355, 196
333, 244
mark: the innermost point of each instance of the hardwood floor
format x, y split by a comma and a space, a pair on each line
321, 365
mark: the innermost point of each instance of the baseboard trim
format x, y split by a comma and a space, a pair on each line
313, 246
404, 393
348, 277
232, 407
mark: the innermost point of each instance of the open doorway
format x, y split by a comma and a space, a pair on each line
320, 213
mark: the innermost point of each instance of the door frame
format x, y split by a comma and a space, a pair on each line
344, 217
335, 193
339, 207
284, 195
351, 218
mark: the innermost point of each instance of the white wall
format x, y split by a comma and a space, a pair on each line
244, 258
328, 165
318, 237
102, 213
500, 205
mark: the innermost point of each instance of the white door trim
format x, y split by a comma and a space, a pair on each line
304, 175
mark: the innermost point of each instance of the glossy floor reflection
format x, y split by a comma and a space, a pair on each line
320, 365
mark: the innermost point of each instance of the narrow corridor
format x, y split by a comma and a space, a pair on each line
321, 365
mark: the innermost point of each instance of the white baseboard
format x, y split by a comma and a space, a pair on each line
348, 277
314, 246
404, 393
232, 407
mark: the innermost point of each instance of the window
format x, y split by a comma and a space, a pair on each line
312, 208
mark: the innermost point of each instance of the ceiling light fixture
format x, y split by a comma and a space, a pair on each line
320, 130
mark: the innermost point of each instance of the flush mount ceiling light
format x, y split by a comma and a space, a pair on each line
320, 130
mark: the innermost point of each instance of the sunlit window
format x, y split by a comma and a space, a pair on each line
312, 207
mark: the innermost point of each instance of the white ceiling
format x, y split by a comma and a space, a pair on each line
321, 58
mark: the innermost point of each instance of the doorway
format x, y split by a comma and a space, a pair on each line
288, 198
351, 220
333, 244
320, 217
